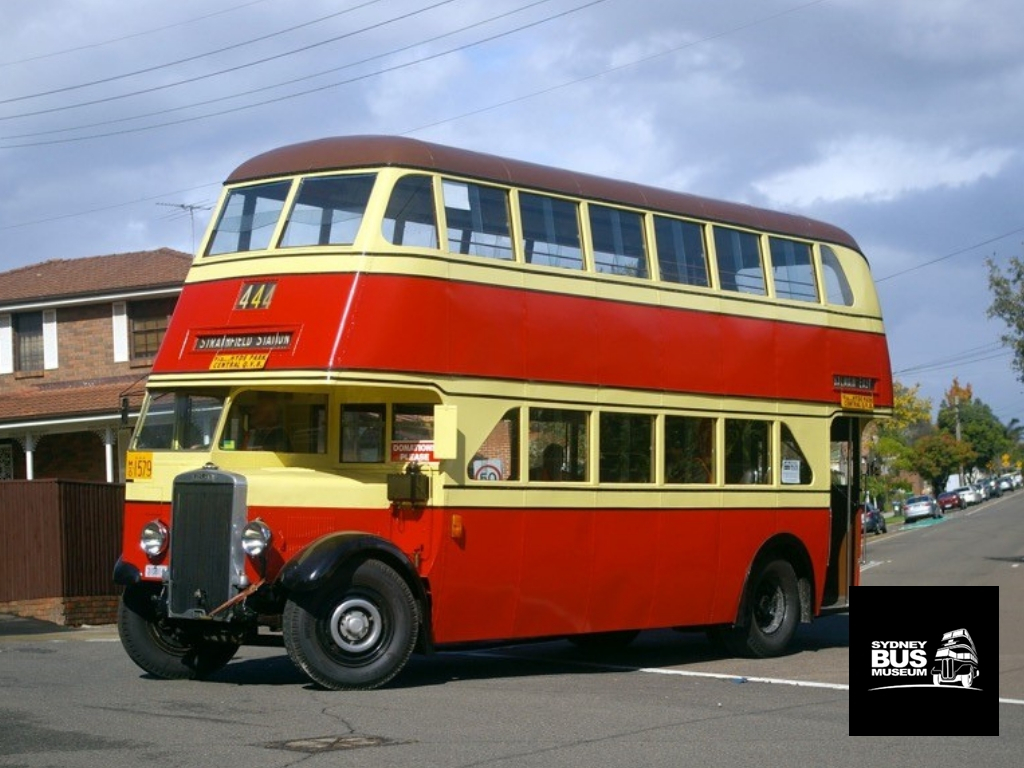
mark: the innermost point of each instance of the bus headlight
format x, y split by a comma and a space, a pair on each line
153, 538
256, 538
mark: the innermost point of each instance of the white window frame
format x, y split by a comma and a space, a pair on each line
6, 345
119, 320
50, 357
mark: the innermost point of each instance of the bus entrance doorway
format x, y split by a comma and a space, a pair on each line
843, 549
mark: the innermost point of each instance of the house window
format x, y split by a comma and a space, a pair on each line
148, 323
28, 341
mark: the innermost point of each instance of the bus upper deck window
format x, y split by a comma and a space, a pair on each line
618, 237
837, 287
681, 254
793, 270
477, 218
248, 218
328, 210
551, 231
409, 219
739, 261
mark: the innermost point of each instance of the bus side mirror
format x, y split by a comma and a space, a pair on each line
446, 433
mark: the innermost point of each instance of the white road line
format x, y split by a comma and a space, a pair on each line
690, 673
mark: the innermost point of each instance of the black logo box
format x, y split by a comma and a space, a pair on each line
907, 621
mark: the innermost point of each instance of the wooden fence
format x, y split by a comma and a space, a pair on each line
59, 540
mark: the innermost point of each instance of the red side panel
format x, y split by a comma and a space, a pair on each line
436, 327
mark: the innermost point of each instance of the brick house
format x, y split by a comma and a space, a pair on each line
77, 336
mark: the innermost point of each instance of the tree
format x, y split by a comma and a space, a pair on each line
1008, 306
977, 426
936, 457
909, 410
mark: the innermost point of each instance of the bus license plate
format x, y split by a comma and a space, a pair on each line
139, 465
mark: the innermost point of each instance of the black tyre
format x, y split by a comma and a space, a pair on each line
360, 635
772, 612
162, 648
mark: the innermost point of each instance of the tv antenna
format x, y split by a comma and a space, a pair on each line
190, 209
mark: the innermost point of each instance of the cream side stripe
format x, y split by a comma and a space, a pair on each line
455, 390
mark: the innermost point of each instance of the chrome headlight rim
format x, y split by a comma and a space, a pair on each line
153, 538
256, 538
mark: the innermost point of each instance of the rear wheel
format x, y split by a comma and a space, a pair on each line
164, 648
772, 612
360, 634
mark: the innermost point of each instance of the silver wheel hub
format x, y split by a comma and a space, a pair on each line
356, 625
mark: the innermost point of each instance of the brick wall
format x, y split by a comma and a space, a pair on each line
85, 347
66, 611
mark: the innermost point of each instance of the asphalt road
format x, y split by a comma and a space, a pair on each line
71, 698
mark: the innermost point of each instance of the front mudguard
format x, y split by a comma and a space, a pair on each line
126, 574
316, 565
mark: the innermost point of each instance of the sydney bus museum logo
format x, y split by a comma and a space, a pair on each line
955, 661
915, 651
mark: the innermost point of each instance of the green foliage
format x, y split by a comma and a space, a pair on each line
1008, 306
980, 428
937, 456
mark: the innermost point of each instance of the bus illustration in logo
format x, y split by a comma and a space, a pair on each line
956, 661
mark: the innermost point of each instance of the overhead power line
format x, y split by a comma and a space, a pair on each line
293, 81
167, 65
319, 89
132, 36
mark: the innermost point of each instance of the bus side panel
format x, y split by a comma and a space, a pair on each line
541, 572
675, 552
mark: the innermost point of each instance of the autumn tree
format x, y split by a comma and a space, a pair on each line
889, 442
962, 415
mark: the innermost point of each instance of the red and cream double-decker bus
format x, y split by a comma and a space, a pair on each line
414, 395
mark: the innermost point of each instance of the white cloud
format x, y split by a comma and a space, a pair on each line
879, 169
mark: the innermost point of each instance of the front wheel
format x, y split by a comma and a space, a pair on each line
162, 648
771, 614
360, 635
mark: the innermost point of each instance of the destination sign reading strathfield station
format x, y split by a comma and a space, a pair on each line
241, 341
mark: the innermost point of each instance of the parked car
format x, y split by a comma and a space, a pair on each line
950, 500
1006, 484
871, 519
968, 494
917, 507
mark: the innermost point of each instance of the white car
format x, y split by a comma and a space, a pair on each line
968, 494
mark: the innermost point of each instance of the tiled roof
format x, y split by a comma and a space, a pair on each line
91, 275
75, 399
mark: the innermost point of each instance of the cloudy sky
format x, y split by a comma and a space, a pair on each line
899, 120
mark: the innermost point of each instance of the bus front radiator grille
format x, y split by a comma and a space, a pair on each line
207, 563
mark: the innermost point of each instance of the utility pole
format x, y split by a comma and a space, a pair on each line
956, 414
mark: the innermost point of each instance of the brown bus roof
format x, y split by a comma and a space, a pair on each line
349, 152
